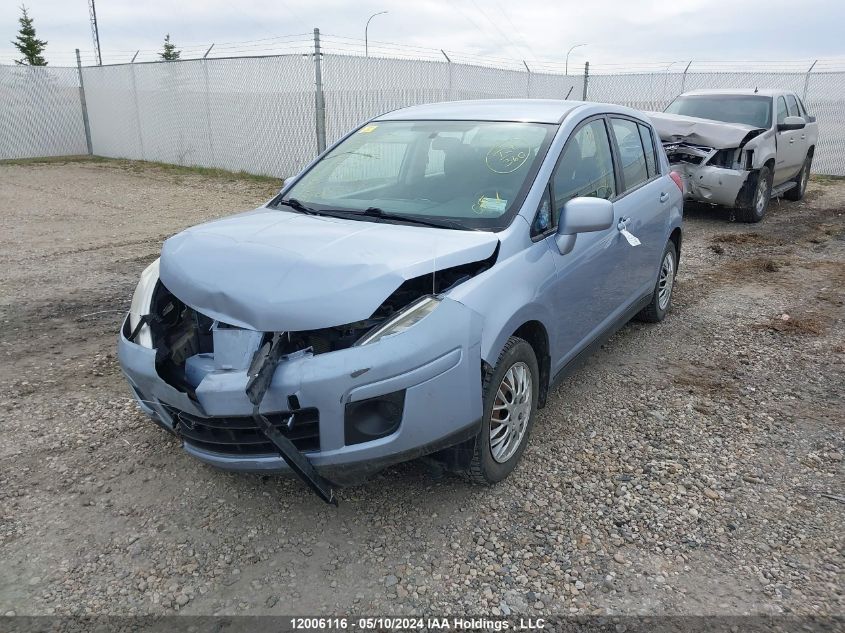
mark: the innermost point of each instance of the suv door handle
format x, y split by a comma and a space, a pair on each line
623, 223
792, 140
664, 196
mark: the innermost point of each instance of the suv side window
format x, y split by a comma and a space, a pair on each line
648, 144
585, 169
792, 105
781, 110
634, 169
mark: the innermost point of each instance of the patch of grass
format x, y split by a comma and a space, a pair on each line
822, 179
807, 324
143, 165
745, 238
56, 160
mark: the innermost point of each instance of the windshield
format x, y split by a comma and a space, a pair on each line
745, 109
464, 174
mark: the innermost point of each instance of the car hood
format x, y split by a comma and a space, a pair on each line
677, 128
276, 271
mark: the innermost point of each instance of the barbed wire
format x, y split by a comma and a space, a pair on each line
331, 44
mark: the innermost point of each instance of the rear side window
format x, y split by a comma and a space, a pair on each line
781, 110
634, 169
585, 167
648, 145
792, 105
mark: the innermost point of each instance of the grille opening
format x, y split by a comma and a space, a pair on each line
239, 435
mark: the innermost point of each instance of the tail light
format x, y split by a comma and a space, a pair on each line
676, 177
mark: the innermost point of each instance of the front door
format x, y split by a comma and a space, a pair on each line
589, 288
790, 147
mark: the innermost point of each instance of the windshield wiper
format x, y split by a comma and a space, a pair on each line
376, 212
296, 205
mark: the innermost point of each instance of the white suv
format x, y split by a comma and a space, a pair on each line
739, 148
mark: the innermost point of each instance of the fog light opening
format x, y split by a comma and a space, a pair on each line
374, 418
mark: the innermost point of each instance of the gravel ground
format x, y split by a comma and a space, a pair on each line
694, 467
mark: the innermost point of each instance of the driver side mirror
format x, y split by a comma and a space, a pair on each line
582, 215
792, 123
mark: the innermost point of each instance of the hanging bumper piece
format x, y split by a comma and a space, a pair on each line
260, 374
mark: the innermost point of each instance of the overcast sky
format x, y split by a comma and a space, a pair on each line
616, 31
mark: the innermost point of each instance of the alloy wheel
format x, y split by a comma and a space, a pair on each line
511, 412
665, 281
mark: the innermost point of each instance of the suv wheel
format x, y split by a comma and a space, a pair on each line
661, 298
797, 192
755, 209
510, 393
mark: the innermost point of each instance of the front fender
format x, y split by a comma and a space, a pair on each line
511, 293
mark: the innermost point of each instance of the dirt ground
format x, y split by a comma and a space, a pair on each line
692, 467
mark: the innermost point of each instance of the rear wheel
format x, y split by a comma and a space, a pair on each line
661, 298
754, 210
797, 192
510, 391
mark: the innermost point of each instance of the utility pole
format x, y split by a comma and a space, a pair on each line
319, 97
95, 32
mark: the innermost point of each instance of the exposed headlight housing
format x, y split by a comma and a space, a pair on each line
406, 319
141, 301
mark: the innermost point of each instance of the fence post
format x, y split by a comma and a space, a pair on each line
684, 78
528, 80
137, 109
586, 79
807, 80
319, 97
84, 106
448, 61
208, 106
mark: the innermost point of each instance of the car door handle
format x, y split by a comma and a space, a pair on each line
664, 196
623, 223
792, 140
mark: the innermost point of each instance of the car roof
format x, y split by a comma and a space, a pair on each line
760, 92
525, 110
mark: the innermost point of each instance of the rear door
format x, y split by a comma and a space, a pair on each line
642, 204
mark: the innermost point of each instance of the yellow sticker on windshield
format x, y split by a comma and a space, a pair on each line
367, 129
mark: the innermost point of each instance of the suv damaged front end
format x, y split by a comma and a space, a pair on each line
377, 380
718, 162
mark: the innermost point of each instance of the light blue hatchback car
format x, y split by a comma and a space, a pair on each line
416, 291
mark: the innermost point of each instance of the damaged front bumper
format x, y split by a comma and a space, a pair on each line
329, 402
711, 184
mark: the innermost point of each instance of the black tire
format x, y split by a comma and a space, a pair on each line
484, 469
654, 312
797, 192
752, 208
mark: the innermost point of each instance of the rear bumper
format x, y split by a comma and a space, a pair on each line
713, 185
437, 363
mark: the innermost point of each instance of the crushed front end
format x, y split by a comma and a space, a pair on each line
715, 176
349, 399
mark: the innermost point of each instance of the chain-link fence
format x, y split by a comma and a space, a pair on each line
262, 115
40, 112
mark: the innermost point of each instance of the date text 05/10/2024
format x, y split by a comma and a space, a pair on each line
411, 623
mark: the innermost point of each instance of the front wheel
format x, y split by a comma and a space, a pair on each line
510, 393
661, 297
754, 210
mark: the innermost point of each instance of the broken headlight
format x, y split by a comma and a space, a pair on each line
141, 304
402, 321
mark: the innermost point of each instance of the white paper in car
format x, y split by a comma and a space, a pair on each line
632, 239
